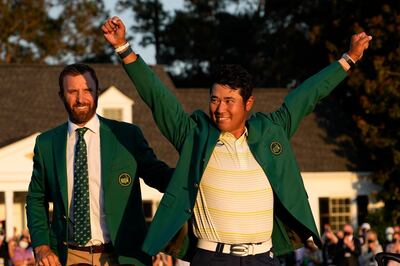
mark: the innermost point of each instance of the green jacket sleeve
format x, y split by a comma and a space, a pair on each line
154, 172
302, 100
173, 122
36, 203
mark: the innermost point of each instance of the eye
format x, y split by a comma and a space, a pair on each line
214, 100
72, 91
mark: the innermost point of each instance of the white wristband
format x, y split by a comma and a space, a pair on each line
121, 48
349, 60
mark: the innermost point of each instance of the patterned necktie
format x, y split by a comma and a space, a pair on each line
82, 233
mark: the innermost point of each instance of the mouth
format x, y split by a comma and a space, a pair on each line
81, 108
221, 119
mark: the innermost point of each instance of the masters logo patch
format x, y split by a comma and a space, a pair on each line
124, 179
276, 148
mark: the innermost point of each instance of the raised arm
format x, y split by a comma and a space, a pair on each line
167, 111
302, 100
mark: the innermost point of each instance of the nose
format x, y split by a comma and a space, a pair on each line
220, 107
79, 97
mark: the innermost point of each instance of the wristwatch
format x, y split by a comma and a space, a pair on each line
348, 60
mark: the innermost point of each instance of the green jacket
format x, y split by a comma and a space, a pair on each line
194, 136
123, 151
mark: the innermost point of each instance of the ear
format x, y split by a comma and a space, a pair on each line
249, 103
61, 94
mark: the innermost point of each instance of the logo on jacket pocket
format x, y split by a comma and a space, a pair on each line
124, 179
276, 148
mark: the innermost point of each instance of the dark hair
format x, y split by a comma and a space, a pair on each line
236, 77
74, 70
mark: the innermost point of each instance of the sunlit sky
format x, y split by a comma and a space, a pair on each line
148, 53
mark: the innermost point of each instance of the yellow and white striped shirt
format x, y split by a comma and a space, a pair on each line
235, 200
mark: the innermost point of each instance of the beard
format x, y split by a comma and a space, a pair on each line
80, 117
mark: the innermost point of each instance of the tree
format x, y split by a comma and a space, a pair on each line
24, 23
207, 34
150, 19
371, 95
32, 33
377, 113
81, 38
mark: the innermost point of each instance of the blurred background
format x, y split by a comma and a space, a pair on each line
280, 42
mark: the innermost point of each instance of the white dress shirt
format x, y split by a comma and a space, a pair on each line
97, 218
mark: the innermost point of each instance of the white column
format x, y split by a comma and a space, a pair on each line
9, 202
313, 200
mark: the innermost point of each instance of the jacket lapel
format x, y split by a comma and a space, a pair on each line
256, 137
107, 150
213, 135
254, 128
60, 154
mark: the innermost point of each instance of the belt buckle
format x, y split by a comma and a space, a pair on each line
239, 250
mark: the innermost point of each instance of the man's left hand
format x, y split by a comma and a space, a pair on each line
359, 43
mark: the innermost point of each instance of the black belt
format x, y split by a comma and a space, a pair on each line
102, 248
236, 249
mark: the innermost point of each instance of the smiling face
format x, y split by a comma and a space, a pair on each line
228, 110
79, 96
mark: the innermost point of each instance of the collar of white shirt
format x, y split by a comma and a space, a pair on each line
228, 135
93, 125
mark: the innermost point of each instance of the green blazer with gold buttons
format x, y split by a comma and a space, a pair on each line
125, 156
195, 136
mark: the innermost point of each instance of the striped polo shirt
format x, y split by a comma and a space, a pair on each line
234, 204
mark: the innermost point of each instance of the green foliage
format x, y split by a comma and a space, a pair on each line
371, 95
32, 33
23, 24
150, 19
377, 115
81, 38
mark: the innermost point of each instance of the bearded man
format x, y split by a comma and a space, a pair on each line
89, 167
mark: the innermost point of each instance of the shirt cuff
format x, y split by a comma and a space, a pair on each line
344, 64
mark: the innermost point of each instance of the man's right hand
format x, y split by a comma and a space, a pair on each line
44, 256
114, 31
